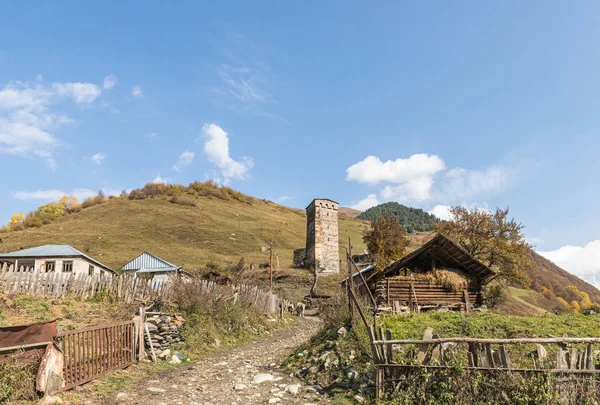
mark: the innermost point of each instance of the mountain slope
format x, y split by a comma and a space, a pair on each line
222, 231
411, 219
548, 275
213, 231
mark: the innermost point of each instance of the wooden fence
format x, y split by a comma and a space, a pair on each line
482, 355
89, 352
24, 280
397, 361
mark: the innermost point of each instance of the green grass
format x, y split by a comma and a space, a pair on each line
491, 325
523, 295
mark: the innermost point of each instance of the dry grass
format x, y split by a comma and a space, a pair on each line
17, 380
453, 279
70, 313
215, 230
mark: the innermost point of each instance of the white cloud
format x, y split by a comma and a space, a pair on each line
584, 262
150, 136
460, 184
185, 159
411, 178
442, 212
54, 195
366, 203
110, 81
81, 93
159, 180
244, 83
283, 199
372, 170
216, 147
136, 92
98, 158
422, 178
26, 119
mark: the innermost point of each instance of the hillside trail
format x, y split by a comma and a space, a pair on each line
232, 376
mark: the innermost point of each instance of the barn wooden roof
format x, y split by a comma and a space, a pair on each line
446, 253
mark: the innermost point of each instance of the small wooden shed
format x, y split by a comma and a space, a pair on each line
440, 274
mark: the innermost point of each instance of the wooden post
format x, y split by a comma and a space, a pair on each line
423, 349
466, 298
141, 323
387, 292
271, 265
150, 341
389, 355
348, 284
378, 383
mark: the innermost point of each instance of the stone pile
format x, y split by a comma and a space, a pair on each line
164, 331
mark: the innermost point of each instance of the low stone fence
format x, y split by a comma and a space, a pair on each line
165, 331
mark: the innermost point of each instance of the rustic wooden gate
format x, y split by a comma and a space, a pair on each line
91, 351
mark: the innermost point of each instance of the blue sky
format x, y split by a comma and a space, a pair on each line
475, 103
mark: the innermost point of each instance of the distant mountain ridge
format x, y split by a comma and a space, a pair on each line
411, 219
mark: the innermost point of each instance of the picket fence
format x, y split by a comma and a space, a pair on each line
243, 294
126, 287
24, 280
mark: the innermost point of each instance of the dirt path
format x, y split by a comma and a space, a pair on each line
231, 377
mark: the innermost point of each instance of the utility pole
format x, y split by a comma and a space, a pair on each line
271, 265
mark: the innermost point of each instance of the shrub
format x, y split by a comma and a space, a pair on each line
136, 195
562, 305
32, 220
495, 295
90, 202
154, 189
182, 200
213, 315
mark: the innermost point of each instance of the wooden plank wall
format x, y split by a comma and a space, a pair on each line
399, 289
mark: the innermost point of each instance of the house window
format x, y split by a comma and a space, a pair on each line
91, 270
50, 266
67, 267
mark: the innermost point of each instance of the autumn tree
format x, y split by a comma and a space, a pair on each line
15, 222
386, 240
575, 307
493, 238
71, 203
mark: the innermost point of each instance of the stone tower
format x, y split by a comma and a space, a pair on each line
322, 243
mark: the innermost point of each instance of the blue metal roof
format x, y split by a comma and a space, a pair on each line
51, 251
149, 262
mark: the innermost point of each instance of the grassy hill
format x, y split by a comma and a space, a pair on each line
221, 231
214, 230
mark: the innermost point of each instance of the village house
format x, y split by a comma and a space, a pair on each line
55, 259
159, 270
440, 274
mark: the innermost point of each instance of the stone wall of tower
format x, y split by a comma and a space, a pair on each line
322, 240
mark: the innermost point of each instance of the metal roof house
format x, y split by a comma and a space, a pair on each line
160, 269
56, 258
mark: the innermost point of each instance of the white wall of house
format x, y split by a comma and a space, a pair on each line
79, 266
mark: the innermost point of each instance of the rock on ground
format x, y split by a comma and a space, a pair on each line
228, 377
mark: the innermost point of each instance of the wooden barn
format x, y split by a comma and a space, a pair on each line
440, 274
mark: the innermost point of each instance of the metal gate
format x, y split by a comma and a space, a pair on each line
91, 351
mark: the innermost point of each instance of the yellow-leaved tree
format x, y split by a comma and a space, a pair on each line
386, 240
71, 203
16, 222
